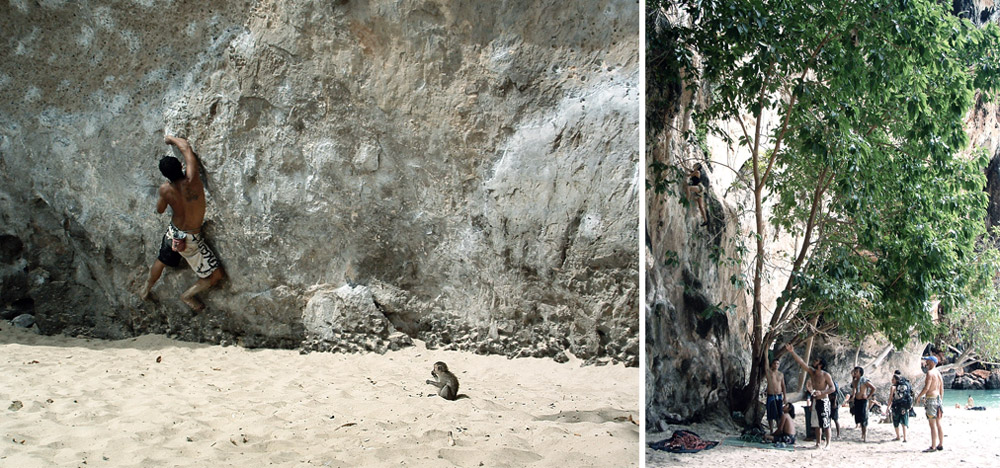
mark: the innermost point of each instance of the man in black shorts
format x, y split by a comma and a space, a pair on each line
835, 407
861, 390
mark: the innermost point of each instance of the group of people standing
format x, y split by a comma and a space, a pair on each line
824, 400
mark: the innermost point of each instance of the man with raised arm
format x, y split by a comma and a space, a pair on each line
822, 384
775, 394
933, 391
184, 193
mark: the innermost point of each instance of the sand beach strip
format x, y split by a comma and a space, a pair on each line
154, 402
970, 442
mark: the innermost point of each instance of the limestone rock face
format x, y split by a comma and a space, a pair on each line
696, 319
344, 310
980, 12
983, 122
471, 161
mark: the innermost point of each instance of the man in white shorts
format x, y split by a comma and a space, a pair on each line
185, 194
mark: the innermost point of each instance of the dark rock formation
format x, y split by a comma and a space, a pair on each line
23, 321
967, 381
993, 189
976, 380
980, 12
993, 382
477, 176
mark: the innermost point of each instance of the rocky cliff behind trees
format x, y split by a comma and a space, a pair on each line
460, 172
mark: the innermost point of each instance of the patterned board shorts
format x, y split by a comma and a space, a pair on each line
199, 256
933, 408
821, 413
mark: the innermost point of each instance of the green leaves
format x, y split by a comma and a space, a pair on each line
975, 321
870, 98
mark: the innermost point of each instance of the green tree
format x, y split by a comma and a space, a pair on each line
863, 163
973, 327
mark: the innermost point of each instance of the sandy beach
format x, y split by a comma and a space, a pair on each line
970, 441
154, 402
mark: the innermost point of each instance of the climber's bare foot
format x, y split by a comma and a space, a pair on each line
193, 303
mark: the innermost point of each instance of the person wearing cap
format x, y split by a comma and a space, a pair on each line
184, 192
933, 390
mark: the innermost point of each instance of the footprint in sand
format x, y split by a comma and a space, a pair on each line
499, 457
598, 416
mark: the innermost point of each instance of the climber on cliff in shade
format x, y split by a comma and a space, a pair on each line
185, 194
822, 384
695, 191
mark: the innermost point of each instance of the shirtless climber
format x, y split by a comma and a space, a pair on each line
696, 192
185, 193
775, 403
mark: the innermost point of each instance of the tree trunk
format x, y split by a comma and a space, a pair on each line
881, 356
745, 397
963, 360
809, 350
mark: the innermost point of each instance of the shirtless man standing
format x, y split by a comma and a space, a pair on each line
775, 394
822, 384
185, 194
861, 390
933, 390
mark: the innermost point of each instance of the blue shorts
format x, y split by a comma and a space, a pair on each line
774, 407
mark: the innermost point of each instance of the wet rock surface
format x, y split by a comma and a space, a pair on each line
474, 175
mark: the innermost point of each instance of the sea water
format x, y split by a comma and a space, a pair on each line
988, 398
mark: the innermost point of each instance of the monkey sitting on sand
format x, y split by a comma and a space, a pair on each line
446, 382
